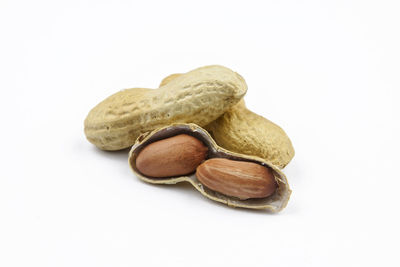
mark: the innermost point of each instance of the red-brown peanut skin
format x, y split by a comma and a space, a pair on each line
174, 156
239, 179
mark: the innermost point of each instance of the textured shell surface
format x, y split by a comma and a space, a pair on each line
199, 96
243, 131
273, 203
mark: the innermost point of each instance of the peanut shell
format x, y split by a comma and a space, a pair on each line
243, 131
199, 96
274, 203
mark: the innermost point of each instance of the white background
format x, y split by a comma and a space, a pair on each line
326, 71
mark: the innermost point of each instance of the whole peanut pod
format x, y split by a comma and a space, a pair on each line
199, 96
243, 131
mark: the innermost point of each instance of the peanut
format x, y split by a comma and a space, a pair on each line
243, 131
177, 155
199, 96
239, 179
234, 179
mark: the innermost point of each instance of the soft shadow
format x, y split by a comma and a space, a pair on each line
119, 155
187, 189
184, 187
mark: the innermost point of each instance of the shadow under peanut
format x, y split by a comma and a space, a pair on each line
119, 155
186, 189
183, 188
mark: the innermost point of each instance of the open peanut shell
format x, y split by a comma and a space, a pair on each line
274, 203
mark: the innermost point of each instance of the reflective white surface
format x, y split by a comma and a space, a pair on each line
328, 73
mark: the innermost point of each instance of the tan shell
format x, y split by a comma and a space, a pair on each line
273, 203
199, 96
243, 131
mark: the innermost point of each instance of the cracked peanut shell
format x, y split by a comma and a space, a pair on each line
274, 203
